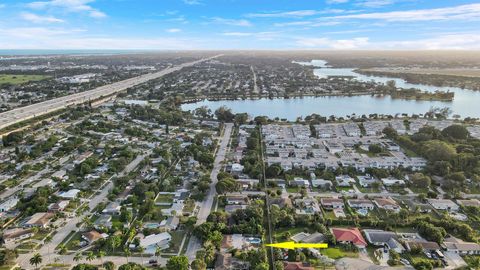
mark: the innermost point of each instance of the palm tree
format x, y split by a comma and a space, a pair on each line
158, 251
141, 250
87, 222
90, 256
47, 241
78, 257
36, 260
100, 255
127, 252
63, 250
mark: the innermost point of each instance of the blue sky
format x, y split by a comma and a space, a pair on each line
239, 24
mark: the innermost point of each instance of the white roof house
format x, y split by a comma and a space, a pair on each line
9, 204
70, 195
344, 180
237, 168
443, 204
390, 181
151, 242
366, 180
321, 183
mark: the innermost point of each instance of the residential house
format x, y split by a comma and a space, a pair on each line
233, 208
39, 220
306, 206
390, 181
180, 196
58, 206
16, 234
332, 203
300, 182
471, 202
416, 206
81, 158
92, 236
104, 221
461, 247
112, 208
69, 195
427, 246
297, 266
225, 261
384, 238
9, 204
344, 180
443, 204
366, 180
360, 204
237, 169
351, 236
170, 224
236, 199
322, 183
151, 242
387, 204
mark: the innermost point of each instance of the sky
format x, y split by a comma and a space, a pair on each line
240, 24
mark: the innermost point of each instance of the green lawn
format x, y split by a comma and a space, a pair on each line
177, 237
280, 233
337, 253
164, 198
19, 79
71, 244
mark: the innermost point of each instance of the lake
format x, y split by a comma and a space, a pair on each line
464, 104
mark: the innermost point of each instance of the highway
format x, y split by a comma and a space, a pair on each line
24, 113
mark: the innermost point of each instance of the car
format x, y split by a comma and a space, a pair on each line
404, 261
152, 261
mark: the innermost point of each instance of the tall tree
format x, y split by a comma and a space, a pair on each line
36, 260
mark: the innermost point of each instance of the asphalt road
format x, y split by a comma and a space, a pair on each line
24, 113
206, 206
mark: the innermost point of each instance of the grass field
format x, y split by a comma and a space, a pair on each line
19, 79
336, 253
164, 198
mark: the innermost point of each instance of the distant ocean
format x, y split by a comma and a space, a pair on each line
68, 52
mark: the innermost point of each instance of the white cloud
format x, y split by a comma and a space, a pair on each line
80, 6
297, 13
192, 2
327, 43
285, 14
455, 41
51, 38
463, 12
233, 22
34, 18
238, 34
307, 23
257, 35
337, 1
375, 3
174, 30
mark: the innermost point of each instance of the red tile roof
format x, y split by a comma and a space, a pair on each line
296, 266
352, 235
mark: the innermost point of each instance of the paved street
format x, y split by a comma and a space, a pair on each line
24, 113
206, 206
27, 181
